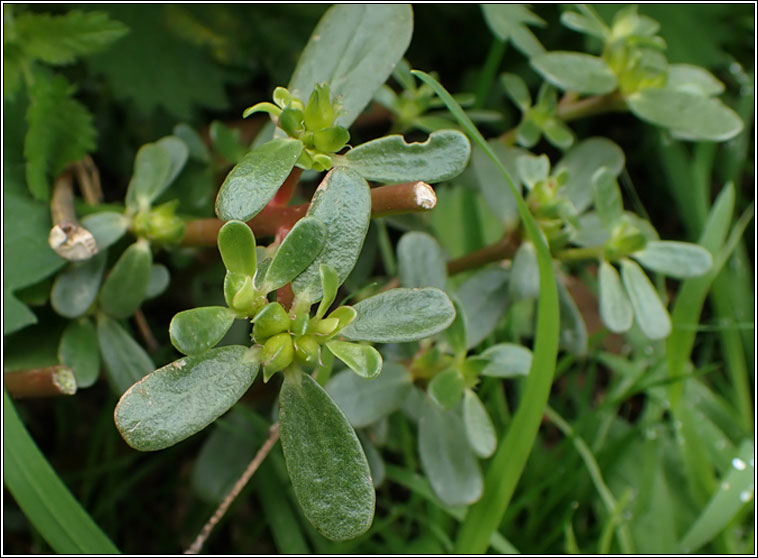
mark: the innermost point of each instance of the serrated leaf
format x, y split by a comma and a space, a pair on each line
484, 297
575, 71
420, 261
690, 116
401, 315
607, 197
525, 278
158, 282
446, 456
479, 429
236, 243
692, 79
364, 360
125, 286
76, 288
327, 466
615, 308
60, 39
197, 330
78, 349
506, 360
155, 168
446, 388
107, 227
300, 247
442, 156
366, 401
675, 259
364, 43
649, 311
343, 203
125, 360
256, 178
181, 398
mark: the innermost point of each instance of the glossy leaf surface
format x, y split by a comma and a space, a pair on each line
236, 243
446, 388
364, 360
199, 329
298, 249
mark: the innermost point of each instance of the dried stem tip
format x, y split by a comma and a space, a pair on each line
40, 382
68, 238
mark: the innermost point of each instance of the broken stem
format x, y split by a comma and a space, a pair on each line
40, 382
68, 238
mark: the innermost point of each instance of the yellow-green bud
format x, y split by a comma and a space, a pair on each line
291, 121
277, 354
331, 140
160, 224
319, 112
272, 319
300, 324
307, 350
323, 327
240, 290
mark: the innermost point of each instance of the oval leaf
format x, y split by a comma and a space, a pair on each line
401, 315
420, 261
180, 399
107, 227
236, 243
125, 360
442, 156
607, 197
615, 308
484, 297
329, 286
364, 360
446, 388
78, 350
651, 315
692, 79
158, 282
575, 71
125, 287
326, 463
197, 330
155, 167
253, 182
506, 360
525, 276
343, 203
300, 247
76, 288
479, 428
675, 259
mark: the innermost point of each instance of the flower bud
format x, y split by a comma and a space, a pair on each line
323, 327
291, 121
277, 354
319, 112
331, 140
272, 319
300, 324
307, 350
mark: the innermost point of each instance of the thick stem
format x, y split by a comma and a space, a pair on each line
67, 237
501, 250
88, 179
40, 382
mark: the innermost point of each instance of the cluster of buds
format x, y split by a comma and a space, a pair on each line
159, 225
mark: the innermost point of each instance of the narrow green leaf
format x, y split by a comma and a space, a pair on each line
441, 157
507, 360
509, 23
420, 261
125, 286
456, 334
649, 311
366, 401
517, 90
573, 331
197, 330
446, 456
615, 308
155, 168
675, 259
343, 203
236, 243
78, 349
364, 43
125, 360
575, 71
300, 247
490, 182
446, 388
607, 197
584, 24
364, 360
44, 498
484, 297
75, 289
558, 133
329, 286
107, 227
400, 315
326, 463
180, 399
525, 276
256, 178
479, 428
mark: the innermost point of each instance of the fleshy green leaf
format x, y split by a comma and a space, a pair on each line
446, 456
584, 24
364, 360
506, 360
573, 330
158, 282
525, 277
76, 288
607, 197
343, 203
125, 287
329, 286
690, 116
300, 247
155, 168
420, 261
390, 159
197, 330
327, 466
499, 198
79, 351
237, 246
364, 43
484, 297
479, 428
649, 311
692, 79
400, 315
575, 71
456, 333
366, 401
107, 227
125, 360
615, 308
446, 388
675, 259
226, 142
509, 23
253, 181
533, 169
517, 90
181, 398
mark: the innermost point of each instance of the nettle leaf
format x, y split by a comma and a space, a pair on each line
575, 71
615, 308
441, 157
343, 203
76, 288
60, 39
253, 182
155, 168
366, 401
199, 329
446, 456
446, 388
401, 315
479, 429
364, 43
183, 397
78, 349
364, 360
506, 360
675, 259
107, 227
300, 247
484, 297
420, 261
649, 311
607, 197
125, 287
327, 466
581, 162
509, 23
125, 360
525, 277
690, 116
236, 243
692, 79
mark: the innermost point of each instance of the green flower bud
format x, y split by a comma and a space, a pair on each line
245, 300
277, 354
331, 140
625, 240
307, 350
272, 319
323, 327
160, 225
291, 121
321, 162
319, 112
300, 324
